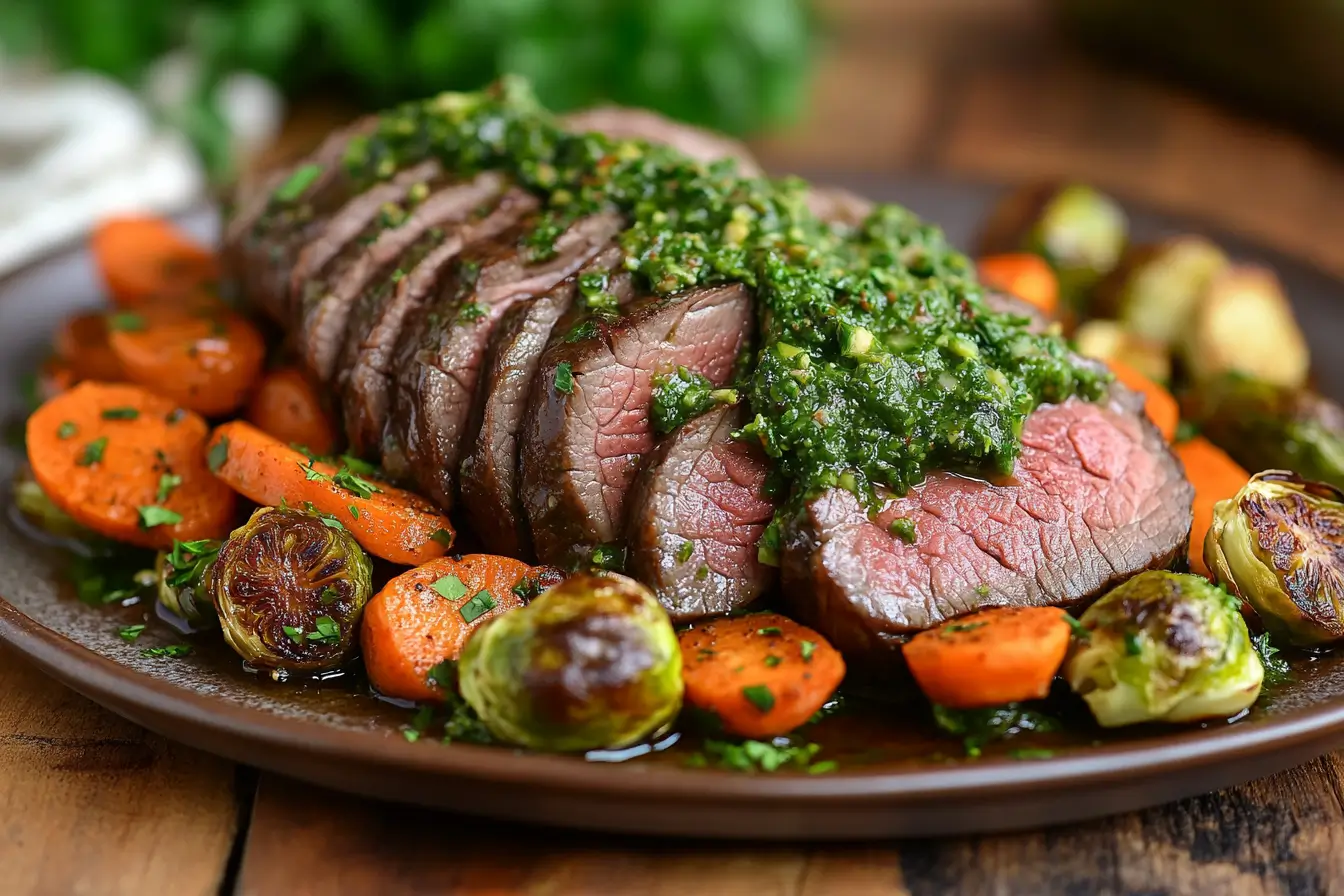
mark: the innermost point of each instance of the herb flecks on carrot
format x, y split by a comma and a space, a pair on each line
425, 616
206, 357
1216, 477
286, 405
762, 675
1158, 403
992, 657
388, 522
144, 260
106, 470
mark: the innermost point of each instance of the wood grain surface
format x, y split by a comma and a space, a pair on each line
980, 88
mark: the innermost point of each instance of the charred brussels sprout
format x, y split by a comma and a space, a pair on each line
1244, 325
1078, 230
1280, 545
1264, 427
591, 663
1165, 647
1156, 288
181, 575
289, 590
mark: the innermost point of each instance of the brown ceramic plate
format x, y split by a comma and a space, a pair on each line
897, 779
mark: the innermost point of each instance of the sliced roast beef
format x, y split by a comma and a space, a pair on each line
439, 356
620, 123
489, 479
838, 205
588, 426
696, 516
364, 371
1005, 303
262, 239
1095, 497
325, 301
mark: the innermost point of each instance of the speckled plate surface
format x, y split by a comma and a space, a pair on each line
894, 781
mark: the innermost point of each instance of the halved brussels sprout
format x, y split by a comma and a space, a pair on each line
1264, 427
1080, 231
290, 589
1165, 647
1279, 543
1244, 325
592, 663
1109, 340
181, 575
1156, 288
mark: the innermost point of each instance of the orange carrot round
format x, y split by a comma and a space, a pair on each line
1158, 403
1024, 275
991, 657
146, 259
1215, 477
286, 405
82, 343
397, 525
763, 675
128, 464
207, 359
425, 616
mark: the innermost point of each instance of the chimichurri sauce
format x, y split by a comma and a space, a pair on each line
878, 361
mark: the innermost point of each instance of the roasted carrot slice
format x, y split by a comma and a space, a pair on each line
128, 464
1215, 477
1024, 275
424, 616
82, 343
286, 405
145, 259
762, 675
1158, 403
991, 657
206, 358
390, 523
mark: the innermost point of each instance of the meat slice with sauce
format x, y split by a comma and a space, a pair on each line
439, 357
620, 123
697, 514
489, 478
588, 426
1095, 497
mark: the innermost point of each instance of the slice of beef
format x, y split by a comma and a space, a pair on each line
261, 240
581, 446
325, 301
364, 371
696, 516
489, 478
1006, 303
1095, 497
439, 357
621, 123
838, 205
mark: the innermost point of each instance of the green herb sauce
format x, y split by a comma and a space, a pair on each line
878, 361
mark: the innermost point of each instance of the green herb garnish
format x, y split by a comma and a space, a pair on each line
478, 606
564, 377
93, 452
218, 454
297, 183
126, 322
131, 632
450, 587
759, 696
167, 483
173, 651
67, 430
153, 515
120, 414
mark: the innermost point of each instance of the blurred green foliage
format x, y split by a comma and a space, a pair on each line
735, 65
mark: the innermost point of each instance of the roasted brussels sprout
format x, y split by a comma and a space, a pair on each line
1156, 288
1244, 325
181, 575
1165, 647
1263, 427
38, 509
290, 589
1080, 231
592, 663
1279, 543
1108, 340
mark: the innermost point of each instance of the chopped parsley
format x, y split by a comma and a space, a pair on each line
295, 633
470, 312
1277, 670
1133, 646
450, 587
443, 537
327, 631
978, 727
420, 722
67, 430
297, 183
174, 417
312, 473
759, 696
153, 515
483, 602
443, 674
807, 648
218, 454
763, 756
1080, 631
904, 529
564, 377
584, 330
957, 628
126, 322
189, 560
167, 483
685, 550
131, 632
120, 414
354, 511
610, 557
355, 484
770, 631
771, 661
328, 596
93, 452
172, 651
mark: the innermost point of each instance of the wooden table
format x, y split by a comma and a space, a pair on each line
980, 88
